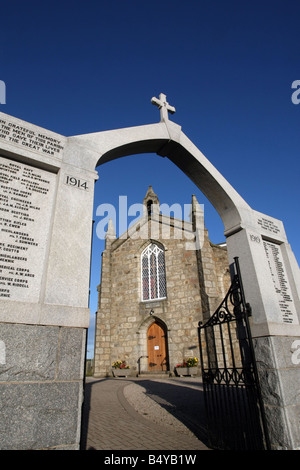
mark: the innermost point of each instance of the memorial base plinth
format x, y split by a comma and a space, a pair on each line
41, 373
279, 372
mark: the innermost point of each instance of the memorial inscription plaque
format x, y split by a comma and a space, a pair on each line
281, 282
25, 137
26, 202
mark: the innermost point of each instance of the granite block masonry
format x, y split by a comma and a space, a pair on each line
47, 188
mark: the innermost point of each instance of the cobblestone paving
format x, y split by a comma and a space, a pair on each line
110, 422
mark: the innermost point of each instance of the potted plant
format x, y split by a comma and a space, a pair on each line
188, 367
120, 369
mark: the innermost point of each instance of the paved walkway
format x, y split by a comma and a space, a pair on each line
143, 414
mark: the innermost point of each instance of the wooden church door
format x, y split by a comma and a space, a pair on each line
157, 348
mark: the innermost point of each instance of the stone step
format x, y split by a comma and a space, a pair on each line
155, 375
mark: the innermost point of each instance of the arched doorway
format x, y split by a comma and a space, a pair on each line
157, 347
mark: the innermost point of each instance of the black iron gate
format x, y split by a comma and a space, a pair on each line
235, 413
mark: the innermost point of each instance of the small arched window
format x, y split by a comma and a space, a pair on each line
153, 273
149, 207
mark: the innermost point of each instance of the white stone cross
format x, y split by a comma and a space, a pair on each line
163, 106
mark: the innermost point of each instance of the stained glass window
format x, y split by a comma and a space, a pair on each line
153, 273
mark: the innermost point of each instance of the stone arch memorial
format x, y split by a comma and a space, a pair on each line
47, 190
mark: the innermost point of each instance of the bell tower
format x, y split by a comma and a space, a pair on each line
151, 203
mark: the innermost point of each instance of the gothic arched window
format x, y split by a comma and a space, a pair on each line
153, 273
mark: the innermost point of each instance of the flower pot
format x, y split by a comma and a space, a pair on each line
120, 372
186, 371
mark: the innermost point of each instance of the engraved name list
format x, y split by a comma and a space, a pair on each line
281, 283
26, 200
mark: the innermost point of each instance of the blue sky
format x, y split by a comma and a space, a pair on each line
227, 67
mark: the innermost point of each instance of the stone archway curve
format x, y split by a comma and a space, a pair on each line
166, 139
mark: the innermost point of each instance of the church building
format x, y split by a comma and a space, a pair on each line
158, 281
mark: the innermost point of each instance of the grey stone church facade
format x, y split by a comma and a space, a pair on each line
156, 285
